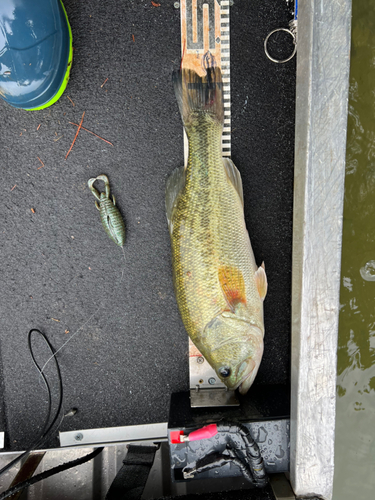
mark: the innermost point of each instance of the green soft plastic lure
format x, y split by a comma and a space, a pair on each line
109, 214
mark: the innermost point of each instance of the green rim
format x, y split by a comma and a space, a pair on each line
59, 93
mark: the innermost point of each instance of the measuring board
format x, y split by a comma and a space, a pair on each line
205, 28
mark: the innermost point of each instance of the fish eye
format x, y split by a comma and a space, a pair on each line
224, 371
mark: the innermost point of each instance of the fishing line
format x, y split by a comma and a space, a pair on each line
47, 429
64, 344
113, 224
86, 322
114, 227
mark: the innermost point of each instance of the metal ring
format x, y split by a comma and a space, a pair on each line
278, 60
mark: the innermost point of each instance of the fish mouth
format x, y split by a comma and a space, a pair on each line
249, 376
245, 385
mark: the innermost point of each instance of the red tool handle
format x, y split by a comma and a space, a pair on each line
204, 433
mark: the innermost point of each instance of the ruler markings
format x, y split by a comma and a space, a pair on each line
205, 27
225, 70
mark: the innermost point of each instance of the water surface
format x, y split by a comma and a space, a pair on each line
355, 421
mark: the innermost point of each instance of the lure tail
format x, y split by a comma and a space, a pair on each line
199, 97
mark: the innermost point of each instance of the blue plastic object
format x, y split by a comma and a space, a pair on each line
35, 52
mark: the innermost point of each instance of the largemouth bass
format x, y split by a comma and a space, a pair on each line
218, 286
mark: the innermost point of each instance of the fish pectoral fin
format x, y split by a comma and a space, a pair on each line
233, 285
234, 177
261, 281
175, 184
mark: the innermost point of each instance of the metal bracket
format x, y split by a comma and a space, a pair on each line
203, 398
205, 387
114, 435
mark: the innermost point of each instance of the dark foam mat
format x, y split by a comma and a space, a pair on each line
59, 268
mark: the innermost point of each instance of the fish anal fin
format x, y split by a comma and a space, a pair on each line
233, 285
261, 281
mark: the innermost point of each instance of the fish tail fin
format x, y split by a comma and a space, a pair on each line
199, 97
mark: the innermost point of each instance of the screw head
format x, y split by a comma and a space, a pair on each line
212, 381
78, 436
200, 359
176, 5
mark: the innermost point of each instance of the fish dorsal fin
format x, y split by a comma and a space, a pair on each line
234, 176
233, 285
175, 184
261, 281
